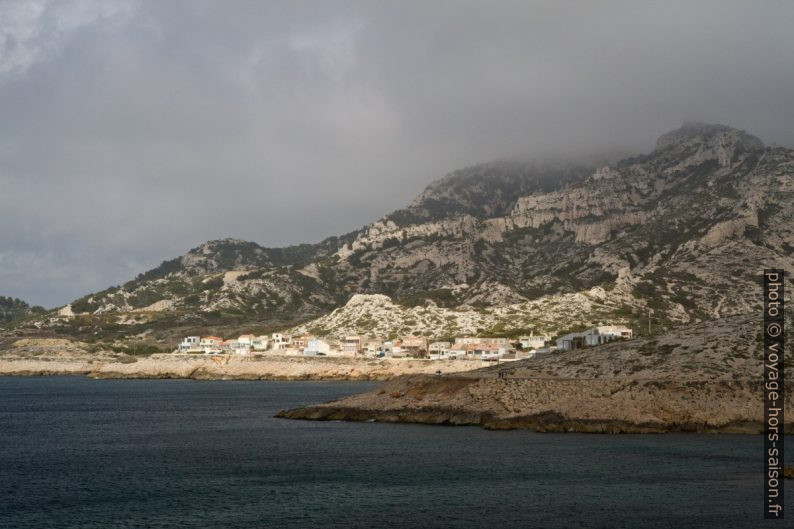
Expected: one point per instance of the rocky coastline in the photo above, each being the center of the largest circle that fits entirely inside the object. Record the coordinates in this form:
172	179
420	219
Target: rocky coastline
541	422
557	405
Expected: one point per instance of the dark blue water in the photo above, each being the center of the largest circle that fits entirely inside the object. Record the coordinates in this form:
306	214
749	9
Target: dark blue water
76	452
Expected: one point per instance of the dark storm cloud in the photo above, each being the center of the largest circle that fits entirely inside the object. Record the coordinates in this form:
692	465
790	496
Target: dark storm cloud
132	131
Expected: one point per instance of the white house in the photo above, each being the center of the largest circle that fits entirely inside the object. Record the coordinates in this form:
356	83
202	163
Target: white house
438	347
317	347
260	343
594	336
190	343
614	331
571	341
241	349
245	339
532	342
280	341
447	354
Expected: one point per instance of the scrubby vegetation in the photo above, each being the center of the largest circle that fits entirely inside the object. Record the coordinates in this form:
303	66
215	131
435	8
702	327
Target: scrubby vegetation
14	308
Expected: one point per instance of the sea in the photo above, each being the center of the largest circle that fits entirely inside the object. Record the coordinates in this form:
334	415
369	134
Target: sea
83	453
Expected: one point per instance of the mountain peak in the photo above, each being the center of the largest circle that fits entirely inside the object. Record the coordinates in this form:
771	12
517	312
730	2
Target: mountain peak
217	245
226	254
487	190
693	132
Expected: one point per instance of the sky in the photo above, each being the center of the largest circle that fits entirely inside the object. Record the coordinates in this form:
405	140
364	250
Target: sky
132	131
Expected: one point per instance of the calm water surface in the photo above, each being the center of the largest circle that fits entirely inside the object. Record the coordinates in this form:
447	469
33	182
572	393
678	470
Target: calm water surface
76	453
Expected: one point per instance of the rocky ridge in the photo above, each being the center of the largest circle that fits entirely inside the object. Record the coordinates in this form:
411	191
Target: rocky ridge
378	315
683	230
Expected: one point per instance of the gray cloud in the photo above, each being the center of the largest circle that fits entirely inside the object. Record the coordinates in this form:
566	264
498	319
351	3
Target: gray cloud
133	131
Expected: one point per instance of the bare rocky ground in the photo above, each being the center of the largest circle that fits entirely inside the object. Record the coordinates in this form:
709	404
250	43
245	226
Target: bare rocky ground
32	357
705	377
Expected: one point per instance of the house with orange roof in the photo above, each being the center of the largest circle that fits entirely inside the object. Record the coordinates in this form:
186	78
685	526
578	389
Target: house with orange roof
210	341
301	342
210	344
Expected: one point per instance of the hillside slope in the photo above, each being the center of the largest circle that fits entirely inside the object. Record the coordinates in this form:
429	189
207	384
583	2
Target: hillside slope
683	230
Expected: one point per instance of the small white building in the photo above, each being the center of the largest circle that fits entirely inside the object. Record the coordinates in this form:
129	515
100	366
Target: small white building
594	336
260	343
615	331
190	343
448	354
317	347
241	349
246	339
571	341
438	347
533	342
280	341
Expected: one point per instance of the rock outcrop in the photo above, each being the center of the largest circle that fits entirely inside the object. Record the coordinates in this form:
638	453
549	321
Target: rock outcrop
704	377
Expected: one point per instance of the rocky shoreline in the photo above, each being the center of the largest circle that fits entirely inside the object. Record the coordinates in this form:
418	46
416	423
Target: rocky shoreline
541	422
220	367
557	405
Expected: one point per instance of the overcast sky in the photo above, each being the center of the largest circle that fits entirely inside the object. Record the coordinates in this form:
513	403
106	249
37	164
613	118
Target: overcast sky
131	131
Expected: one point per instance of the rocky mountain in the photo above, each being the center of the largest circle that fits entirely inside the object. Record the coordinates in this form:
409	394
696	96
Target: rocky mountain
486	190
684	231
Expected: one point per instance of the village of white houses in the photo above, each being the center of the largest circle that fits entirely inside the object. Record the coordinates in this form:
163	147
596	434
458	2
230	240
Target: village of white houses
467	347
